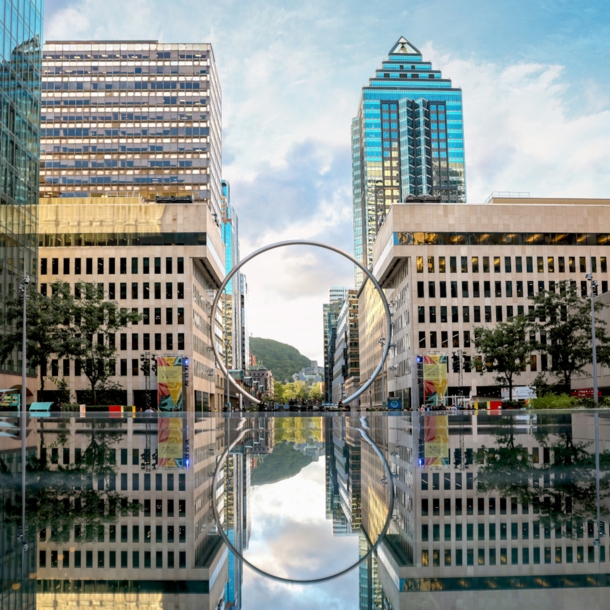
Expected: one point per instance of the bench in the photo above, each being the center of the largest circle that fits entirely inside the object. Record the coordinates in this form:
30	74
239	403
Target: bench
41	409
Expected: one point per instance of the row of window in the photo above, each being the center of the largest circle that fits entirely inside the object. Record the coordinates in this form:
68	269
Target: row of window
457	506
61	240
492	557
101	268
134	292
500	531
98	534
463	289
62	559
485	263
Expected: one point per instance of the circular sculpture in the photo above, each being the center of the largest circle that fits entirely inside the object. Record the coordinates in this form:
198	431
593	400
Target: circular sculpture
386	480
302	242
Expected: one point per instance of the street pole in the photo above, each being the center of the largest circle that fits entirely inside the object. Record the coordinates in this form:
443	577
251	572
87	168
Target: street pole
23	288
589	276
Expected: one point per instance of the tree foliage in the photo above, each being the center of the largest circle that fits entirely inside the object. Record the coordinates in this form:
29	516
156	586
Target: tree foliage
562	321
46	326
505	349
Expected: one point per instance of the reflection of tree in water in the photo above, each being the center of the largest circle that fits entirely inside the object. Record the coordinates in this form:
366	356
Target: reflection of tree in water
61	497
568	490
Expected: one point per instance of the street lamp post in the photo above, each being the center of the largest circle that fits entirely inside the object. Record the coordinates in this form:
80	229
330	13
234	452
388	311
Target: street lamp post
593	290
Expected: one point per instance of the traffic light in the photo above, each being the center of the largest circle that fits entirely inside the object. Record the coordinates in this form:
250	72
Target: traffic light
153	364
145	366
185	372
457	458
455	362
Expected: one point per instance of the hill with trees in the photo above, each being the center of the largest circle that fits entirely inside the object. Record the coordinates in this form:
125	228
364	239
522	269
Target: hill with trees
284	462
281	359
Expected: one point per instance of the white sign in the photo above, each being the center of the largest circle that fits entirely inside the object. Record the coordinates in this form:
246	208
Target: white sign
520	392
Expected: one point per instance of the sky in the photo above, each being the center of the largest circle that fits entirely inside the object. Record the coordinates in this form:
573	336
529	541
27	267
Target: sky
534	76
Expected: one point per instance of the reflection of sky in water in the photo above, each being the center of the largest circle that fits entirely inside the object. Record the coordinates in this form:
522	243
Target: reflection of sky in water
291	537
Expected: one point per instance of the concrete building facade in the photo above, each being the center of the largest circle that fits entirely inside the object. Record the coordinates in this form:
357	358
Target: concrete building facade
449	268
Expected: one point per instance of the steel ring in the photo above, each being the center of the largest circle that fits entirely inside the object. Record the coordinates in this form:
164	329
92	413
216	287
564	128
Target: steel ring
302	242
311	581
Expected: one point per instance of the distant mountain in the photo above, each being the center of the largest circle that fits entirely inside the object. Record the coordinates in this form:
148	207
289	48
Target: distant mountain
283	360
282	463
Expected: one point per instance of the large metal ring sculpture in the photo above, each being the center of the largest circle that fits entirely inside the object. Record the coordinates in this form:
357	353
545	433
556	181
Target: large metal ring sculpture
387	480
302	242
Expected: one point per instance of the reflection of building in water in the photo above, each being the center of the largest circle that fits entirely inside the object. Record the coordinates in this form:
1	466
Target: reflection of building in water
505	508
164	541
17	567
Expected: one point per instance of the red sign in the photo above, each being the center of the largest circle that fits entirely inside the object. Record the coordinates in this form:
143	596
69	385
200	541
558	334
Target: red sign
585	393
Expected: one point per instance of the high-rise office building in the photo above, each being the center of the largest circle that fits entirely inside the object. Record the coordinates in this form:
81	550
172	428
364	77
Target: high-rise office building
131	116
233	303
20	33
407	143
330	315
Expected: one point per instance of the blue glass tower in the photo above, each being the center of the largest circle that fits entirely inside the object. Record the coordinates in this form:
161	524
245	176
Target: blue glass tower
20	99
407	143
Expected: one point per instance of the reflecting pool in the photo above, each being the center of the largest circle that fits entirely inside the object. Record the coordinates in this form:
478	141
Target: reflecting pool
382	510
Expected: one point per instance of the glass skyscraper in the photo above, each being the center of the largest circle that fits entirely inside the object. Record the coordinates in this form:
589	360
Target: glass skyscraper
20	33
131	117
407	143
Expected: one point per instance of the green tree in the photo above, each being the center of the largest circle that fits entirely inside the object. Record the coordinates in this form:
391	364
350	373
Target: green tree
505	349
563	323
315	392
278	392
47	323
92	344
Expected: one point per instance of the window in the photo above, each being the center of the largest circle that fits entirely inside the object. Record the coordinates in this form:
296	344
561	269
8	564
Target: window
123	341
180	264
123	266
43	289
135	367
431	264
111	266
157	315
466	313
443	314
180	290
134	290
419	264
421	314
572	264
441	264
146	342
444	339
507	265
181	315
464	290
453	264
519	288
146	315
551	264
476	291
443	289
583	264
509	312
477	313
146	290
509	289
602	263
134	341
123	290
168	265
464	264
181	341
498	289
54	266
530	289
66	266
533	363
89	266
466	338
487	289
169	340
157	341
498	313
540	264
433	343
593	264
475	264
77	266
454	314
157	290
43	266
486	264
454	290
146	265
431	290
157	265
420	290
496	264
168	290
112	290
529	264
487	313
456	338
422	339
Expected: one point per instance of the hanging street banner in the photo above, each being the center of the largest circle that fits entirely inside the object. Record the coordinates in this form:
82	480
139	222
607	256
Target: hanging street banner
435	379
169	376
170	449
436	440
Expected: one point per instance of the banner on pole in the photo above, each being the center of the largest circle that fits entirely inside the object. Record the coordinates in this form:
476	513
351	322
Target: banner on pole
435	379
170	449
169	376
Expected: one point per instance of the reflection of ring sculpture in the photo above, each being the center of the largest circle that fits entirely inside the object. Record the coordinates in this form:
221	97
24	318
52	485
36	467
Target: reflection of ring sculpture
311	581
301	242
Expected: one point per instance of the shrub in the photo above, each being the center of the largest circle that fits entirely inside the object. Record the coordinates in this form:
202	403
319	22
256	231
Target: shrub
552	401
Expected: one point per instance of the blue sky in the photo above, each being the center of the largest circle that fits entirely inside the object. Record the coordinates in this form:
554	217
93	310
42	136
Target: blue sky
536	93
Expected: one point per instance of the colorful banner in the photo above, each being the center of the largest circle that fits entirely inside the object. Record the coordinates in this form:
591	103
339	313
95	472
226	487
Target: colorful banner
170	450
436	440
169	375
435	379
